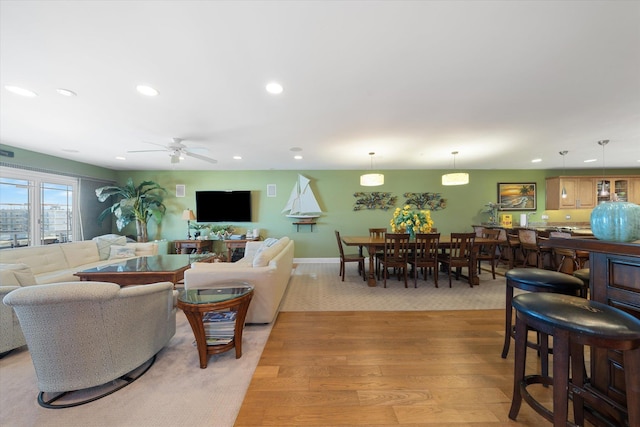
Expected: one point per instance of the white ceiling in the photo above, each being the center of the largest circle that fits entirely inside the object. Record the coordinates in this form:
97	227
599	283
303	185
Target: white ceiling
502	82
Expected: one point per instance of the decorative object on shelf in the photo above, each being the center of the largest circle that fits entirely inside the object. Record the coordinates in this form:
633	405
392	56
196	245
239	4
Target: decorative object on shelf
492	210
405	220
604	190
302	202
430	201
134	203
371	179
455	178
374	200
563	194
188	215
517	196
616	221
221	232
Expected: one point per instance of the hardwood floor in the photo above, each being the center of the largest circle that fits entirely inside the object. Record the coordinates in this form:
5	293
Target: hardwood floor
386	369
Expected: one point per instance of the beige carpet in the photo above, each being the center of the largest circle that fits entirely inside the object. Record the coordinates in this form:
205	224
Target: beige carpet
176	392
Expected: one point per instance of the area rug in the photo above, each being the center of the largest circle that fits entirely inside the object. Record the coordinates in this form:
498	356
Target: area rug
174	392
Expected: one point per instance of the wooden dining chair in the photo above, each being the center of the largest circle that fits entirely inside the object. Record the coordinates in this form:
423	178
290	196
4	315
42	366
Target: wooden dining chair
508	245
425	256
488	251
459	255
396	255
530	248
344	259
377	233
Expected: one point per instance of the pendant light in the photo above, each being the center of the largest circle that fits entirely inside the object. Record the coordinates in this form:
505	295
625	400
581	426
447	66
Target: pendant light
564	190
371	179
604	192
459	178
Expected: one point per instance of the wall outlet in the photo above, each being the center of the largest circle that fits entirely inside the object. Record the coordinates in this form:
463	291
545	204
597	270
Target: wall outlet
545	216
567	217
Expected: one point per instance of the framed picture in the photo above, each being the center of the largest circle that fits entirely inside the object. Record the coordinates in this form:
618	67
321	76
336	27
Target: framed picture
517	196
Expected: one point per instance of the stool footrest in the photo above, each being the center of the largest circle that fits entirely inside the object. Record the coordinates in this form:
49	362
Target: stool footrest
537	406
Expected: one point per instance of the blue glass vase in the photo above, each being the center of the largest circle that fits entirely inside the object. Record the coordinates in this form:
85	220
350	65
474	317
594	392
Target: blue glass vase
616	221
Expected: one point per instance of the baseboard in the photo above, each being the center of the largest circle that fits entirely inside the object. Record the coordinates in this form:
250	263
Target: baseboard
316	260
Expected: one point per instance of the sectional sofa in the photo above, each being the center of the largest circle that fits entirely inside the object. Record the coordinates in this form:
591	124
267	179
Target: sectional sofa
266	266
38	265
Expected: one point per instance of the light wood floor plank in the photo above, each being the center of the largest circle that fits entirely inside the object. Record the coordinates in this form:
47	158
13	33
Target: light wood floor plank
386	369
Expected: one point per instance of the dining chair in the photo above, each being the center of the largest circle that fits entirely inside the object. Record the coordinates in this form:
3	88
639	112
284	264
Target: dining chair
396	255
425	256
529	246
488	251
377	233
508	244
345	258
459	255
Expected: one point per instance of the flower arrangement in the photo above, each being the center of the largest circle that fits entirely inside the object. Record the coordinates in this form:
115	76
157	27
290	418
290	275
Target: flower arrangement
412	222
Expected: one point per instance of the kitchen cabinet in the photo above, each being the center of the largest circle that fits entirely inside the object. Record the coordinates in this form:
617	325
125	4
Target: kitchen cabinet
580	193
584	192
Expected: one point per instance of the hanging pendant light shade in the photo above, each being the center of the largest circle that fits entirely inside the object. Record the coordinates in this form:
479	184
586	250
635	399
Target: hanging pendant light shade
604	191
563	194
371	179
455	178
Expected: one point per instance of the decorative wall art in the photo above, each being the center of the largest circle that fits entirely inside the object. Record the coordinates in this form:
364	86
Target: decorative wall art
517	196
374	200
428	201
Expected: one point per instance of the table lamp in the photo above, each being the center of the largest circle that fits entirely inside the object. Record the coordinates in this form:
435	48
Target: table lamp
189	216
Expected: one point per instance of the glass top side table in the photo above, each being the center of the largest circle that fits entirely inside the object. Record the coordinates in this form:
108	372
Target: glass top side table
217	317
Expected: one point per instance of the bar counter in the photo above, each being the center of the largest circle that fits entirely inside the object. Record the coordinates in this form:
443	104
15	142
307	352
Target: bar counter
614	280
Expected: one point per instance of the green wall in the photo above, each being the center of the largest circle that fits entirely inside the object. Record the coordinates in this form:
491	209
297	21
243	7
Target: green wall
334	191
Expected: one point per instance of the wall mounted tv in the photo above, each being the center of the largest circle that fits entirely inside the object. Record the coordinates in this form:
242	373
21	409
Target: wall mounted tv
223	206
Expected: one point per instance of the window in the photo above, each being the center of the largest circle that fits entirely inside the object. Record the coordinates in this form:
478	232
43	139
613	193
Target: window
36	208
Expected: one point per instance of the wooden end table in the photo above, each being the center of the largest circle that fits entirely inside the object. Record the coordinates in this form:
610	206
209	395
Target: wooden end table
196	302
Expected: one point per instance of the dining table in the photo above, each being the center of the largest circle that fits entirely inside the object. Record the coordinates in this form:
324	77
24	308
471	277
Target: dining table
375	243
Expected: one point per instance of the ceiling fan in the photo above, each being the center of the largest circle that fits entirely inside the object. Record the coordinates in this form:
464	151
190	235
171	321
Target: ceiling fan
176	149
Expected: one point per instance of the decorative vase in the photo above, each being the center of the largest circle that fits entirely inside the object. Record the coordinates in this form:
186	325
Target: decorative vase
616	221
412	233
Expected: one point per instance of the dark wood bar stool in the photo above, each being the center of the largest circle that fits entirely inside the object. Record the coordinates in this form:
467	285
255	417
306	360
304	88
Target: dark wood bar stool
573	323
584	274
536	280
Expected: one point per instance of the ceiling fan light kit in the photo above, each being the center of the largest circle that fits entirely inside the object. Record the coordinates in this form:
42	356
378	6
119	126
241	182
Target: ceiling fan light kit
176	151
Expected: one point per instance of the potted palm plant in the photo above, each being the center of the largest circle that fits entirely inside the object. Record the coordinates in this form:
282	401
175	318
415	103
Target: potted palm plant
139	203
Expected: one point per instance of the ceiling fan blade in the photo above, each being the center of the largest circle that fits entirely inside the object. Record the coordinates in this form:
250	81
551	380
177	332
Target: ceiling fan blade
198	156
145	151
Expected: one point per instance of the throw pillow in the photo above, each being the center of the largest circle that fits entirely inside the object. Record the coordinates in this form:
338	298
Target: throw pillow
270	241
105	242
119	252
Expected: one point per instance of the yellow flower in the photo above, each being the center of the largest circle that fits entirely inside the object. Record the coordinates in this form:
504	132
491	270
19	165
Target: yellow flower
406	220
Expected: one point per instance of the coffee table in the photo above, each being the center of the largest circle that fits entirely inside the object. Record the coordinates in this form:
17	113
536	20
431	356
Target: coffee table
233	297
143	270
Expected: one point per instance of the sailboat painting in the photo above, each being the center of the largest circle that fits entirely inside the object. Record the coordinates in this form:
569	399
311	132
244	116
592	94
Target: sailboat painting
302	203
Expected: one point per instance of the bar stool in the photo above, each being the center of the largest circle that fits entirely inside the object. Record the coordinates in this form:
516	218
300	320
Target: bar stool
536	280
583	274
574	323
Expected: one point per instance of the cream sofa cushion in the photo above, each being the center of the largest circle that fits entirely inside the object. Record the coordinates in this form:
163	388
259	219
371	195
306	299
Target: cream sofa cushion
105	242
41	259
80	253
264	254
143	249
16	275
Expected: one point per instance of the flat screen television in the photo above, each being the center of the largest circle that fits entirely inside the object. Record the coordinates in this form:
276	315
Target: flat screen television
223	206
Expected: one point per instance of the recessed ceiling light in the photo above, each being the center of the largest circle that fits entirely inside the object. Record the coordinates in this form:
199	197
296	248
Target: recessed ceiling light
298	157
121	158
21	91
66	92
536	160
147	90
590	160
237	157
274	88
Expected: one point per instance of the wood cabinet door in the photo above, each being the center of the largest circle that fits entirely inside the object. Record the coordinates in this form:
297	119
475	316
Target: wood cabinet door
586	193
